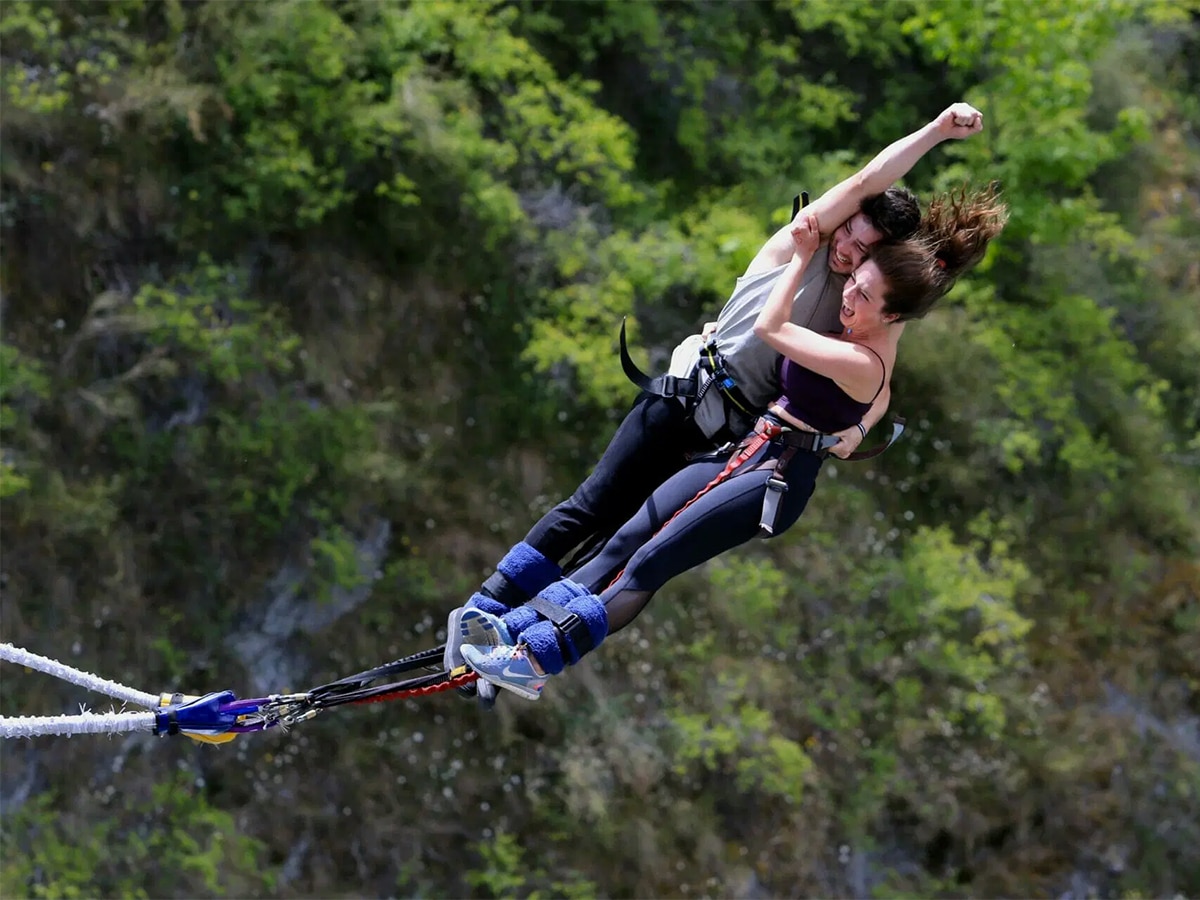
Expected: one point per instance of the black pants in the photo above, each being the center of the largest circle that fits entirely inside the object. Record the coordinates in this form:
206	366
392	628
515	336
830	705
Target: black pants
652	443
655	545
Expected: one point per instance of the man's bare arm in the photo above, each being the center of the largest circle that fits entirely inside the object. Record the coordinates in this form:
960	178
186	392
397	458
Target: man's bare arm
843	200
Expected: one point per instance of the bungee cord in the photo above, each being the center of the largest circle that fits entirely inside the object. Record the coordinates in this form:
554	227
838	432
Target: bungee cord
22	657
219	717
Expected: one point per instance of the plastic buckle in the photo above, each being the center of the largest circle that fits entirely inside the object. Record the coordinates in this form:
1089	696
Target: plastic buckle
823	443
576	629
202	714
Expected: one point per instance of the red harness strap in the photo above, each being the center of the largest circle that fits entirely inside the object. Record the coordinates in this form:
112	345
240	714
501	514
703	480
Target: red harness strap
764	432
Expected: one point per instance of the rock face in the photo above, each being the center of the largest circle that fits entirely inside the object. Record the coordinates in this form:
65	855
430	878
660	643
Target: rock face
266	646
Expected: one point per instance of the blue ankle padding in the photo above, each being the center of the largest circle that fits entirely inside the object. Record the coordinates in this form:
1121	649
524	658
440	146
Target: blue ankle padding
528	569
542	637
542	640
487	604
563	591
560	592
519	619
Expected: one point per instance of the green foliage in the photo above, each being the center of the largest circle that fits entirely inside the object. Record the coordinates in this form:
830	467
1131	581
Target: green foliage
506	873
276	270
740	740
206	317
167	843
21	381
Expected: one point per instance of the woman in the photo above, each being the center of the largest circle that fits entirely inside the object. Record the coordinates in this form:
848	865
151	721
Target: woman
829	381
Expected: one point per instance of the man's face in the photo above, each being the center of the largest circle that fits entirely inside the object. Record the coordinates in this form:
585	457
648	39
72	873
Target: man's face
851	244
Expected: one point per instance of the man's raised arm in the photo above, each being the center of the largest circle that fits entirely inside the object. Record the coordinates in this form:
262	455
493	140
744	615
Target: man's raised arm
843	200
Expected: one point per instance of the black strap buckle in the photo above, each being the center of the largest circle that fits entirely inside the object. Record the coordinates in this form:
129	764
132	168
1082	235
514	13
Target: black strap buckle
660	385
674	386
569	623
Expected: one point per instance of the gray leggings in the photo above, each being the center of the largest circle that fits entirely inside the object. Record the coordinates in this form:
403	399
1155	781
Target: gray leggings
726	516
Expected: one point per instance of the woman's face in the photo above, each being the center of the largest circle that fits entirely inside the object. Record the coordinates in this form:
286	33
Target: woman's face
863	299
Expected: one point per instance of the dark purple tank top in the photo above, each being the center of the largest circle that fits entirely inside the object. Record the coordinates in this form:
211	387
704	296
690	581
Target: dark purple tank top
818	401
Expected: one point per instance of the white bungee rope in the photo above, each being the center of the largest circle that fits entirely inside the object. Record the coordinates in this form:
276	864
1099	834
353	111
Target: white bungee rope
85	722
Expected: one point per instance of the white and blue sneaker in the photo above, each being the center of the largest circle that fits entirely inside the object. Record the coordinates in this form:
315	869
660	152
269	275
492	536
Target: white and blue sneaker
468	625
506	667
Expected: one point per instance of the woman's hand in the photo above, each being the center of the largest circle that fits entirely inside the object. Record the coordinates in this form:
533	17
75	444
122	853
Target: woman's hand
958	121
848	442
806	237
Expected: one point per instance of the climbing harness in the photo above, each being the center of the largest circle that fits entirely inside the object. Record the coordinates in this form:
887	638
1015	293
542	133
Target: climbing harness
694	388
708	372
219	716
767	429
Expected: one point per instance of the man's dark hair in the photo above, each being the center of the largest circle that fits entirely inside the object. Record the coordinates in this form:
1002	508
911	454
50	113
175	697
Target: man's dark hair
895	213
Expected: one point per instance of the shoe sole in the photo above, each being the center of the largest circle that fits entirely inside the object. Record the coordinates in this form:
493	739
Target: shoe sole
453	657
487	636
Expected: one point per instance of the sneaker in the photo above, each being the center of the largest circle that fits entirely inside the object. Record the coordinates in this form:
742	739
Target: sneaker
468	625
506	667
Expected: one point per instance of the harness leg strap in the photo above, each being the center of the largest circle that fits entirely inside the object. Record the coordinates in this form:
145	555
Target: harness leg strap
776	488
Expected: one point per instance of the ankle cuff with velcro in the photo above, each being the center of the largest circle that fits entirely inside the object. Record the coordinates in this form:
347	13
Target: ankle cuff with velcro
521	574
560	625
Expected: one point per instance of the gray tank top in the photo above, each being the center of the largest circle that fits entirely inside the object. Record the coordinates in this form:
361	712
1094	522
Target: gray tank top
753	364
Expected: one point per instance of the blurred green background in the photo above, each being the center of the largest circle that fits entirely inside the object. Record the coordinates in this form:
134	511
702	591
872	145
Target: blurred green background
310	310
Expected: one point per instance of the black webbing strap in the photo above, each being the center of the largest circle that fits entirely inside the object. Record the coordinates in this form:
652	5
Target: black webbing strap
897	430
800	201
660	385
567	622
427	659
502	588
